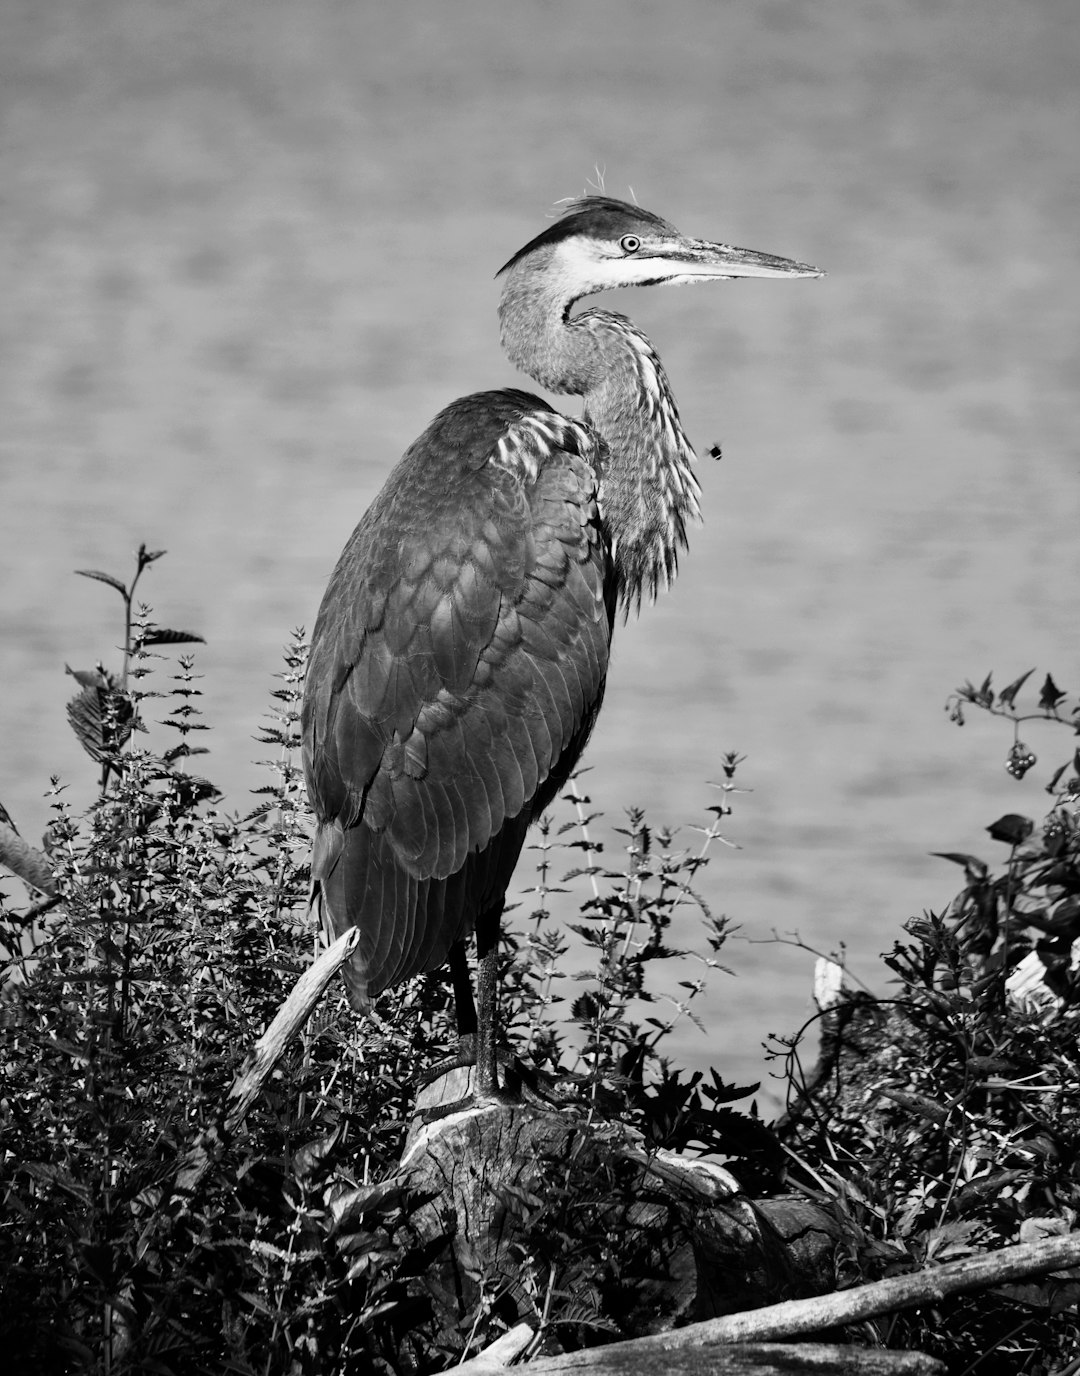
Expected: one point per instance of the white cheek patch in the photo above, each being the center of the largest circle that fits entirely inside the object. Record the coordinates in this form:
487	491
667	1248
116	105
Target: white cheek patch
580	262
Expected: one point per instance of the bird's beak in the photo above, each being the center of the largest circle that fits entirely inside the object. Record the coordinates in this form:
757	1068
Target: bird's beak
701	259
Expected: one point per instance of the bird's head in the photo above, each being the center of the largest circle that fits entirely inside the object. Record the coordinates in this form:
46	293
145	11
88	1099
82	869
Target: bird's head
599	243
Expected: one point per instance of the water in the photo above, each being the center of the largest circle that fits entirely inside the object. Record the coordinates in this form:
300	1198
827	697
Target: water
248	253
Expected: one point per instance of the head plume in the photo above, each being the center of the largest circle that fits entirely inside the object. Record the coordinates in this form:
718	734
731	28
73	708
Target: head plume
597	217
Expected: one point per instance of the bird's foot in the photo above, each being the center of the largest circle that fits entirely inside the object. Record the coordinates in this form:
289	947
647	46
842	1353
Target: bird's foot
455	1084
462	1059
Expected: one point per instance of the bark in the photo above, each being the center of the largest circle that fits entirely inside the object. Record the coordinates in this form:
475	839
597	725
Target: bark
760	1359
752	1359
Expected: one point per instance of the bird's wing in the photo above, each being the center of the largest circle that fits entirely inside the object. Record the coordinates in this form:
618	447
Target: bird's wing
457	663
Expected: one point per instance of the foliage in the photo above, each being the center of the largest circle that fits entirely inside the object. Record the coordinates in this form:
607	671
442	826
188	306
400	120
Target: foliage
952	1124
128	1002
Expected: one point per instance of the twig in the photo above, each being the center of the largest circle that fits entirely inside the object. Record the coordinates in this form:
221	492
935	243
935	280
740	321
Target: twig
591	860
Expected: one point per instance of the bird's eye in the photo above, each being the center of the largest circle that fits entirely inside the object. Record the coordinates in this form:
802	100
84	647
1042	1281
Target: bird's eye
629	243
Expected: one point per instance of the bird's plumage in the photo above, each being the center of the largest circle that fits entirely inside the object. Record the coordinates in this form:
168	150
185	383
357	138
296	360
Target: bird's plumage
457	665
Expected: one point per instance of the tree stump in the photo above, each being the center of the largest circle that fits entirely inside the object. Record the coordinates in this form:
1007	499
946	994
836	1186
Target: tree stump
523	1192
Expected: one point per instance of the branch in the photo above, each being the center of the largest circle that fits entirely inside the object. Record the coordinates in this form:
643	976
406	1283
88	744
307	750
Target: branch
266	1053
794	1317
497	1356
32	866
645	1357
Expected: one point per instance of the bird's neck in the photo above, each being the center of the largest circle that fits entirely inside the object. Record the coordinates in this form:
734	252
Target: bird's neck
647	489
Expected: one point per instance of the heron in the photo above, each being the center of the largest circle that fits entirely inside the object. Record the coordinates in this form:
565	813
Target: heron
459	656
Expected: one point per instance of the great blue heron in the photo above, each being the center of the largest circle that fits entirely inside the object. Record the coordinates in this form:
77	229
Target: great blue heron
459	656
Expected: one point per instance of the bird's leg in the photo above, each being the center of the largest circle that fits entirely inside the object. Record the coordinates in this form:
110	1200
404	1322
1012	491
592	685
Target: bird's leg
465	1016
478	1023
464	1007
487	1019
489	1086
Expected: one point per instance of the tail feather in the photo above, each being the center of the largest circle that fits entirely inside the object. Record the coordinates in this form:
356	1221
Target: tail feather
407	924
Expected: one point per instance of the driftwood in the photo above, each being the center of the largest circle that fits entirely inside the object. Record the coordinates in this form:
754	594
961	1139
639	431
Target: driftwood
745	1359
268	1050
898	1292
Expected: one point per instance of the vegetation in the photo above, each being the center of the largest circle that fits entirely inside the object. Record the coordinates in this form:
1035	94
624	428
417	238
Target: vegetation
951	1124
130	995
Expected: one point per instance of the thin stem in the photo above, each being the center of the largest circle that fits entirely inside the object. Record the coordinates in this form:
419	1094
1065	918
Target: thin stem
583	825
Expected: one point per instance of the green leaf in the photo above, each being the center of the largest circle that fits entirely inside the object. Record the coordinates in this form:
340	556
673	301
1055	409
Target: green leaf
1007	695
983	695
102	720
159	635
351	1206
969	862
720	1092
1011	828
104	578
257	1303
89	678
307	1158
1051	695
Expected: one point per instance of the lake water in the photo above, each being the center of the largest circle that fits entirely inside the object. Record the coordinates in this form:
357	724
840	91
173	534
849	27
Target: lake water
248	252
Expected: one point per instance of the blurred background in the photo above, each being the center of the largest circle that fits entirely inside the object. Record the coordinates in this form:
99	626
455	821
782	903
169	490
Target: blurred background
248	252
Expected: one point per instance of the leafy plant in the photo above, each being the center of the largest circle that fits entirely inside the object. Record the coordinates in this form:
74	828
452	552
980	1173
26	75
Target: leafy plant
171	930
129	998
126	1012
952	1123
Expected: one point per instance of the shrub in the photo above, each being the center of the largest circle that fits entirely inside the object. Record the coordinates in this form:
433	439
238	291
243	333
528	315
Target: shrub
139	1235
131	996
952	1122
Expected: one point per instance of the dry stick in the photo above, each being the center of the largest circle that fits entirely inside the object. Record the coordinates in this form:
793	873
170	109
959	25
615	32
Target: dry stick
498	1355
268	1050
793	1317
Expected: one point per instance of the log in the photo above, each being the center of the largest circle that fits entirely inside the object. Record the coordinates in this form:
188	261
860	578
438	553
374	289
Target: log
828	1311
760	1359
886	1296
712	1346
744	1359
